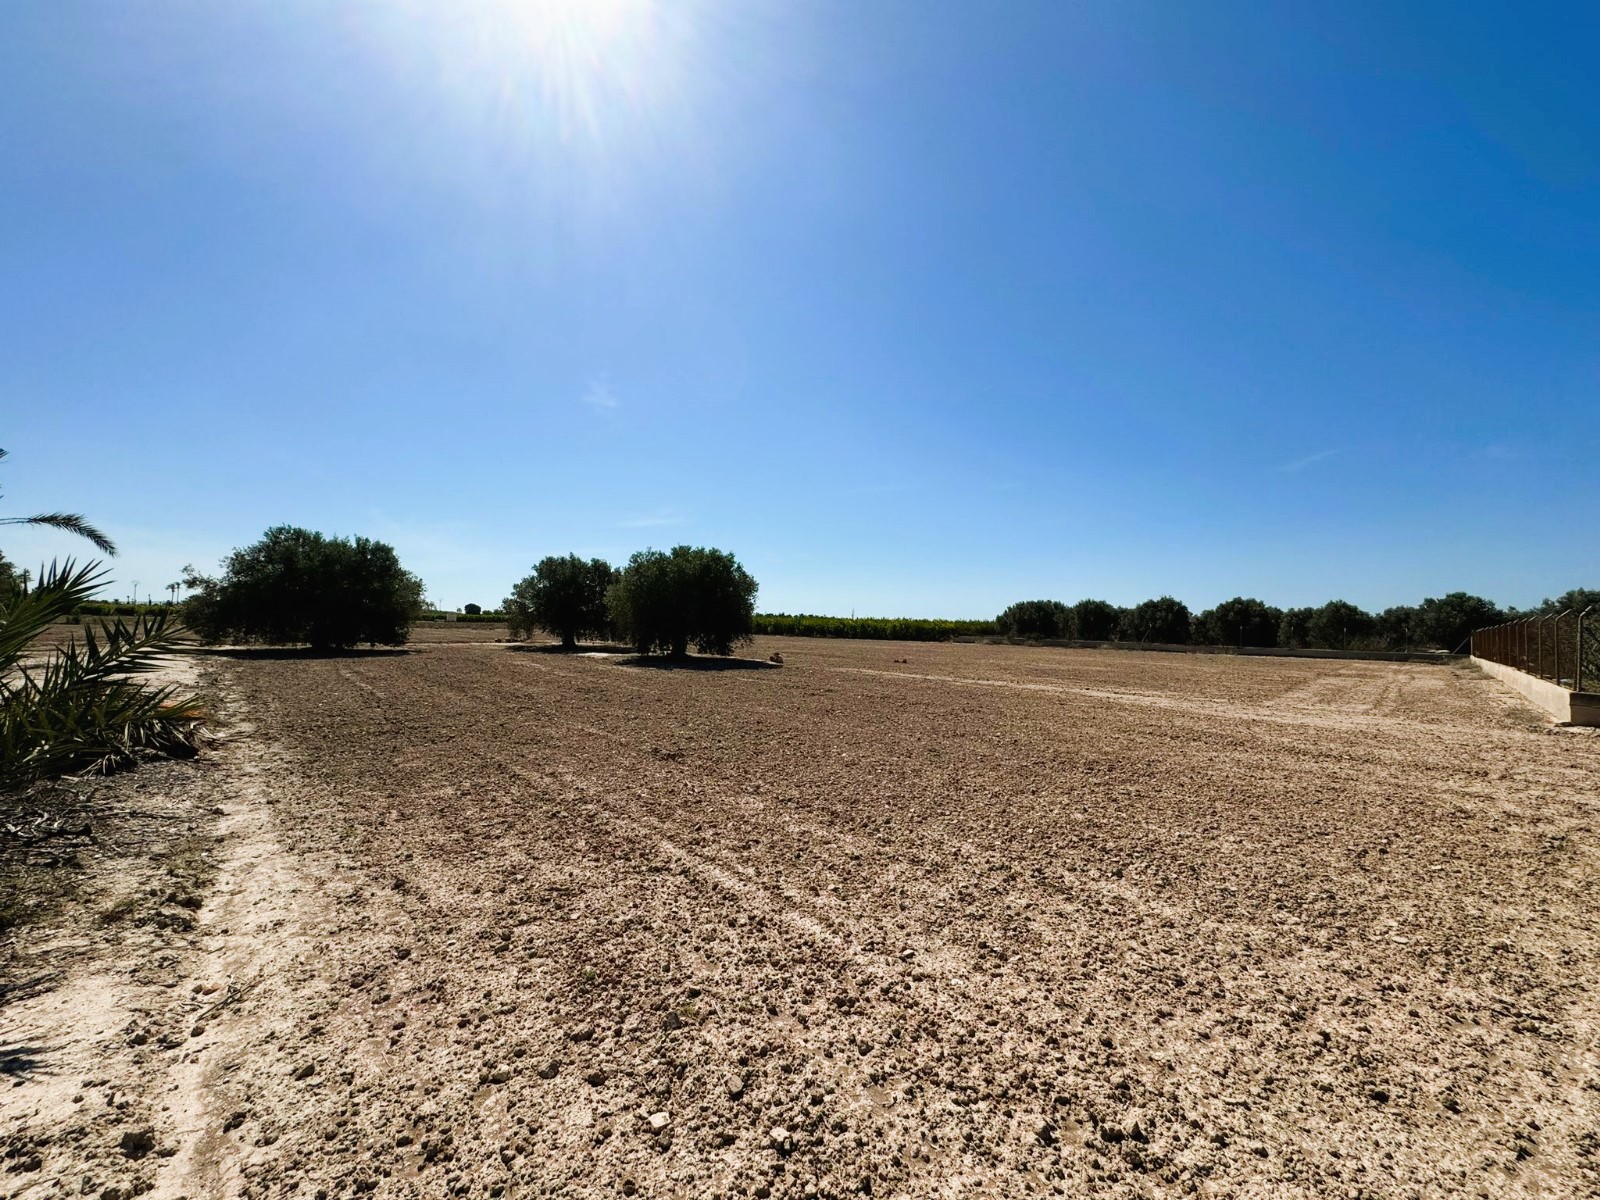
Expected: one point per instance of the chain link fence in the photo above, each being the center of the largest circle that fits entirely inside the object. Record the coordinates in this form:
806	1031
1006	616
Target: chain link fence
1562	647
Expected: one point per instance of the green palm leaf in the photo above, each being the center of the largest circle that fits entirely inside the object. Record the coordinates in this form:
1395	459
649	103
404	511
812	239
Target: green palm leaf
82	707
70	523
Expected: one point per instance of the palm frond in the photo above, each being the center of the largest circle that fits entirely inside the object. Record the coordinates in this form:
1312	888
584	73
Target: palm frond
70	523
62	588
82	707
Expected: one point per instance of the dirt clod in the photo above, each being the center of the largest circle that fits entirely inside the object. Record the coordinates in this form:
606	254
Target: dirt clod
136	1143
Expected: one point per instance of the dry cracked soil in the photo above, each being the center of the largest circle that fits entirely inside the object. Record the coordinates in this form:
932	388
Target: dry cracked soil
474	919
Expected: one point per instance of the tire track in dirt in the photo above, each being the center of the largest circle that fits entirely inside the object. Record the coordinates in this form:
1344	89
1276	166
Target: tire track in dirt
1205	927
264	913
158	1027
1191	706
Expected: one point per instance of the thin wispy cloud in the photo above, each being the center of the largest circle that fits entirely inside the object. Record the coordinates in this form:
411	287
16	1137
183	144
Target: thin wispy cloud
1300	464
599	396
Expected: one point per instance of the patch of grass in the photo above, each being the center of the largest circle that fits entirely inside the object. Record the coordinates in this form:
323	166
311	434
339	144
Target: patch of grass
121	910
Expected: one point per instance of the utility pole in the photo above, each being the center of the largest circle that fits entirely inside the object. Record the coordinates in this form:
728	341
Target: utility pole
136	593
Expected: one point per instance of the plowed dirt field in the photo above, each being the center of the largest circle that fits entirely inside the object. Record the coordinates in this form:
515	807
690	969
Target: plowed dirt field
889	920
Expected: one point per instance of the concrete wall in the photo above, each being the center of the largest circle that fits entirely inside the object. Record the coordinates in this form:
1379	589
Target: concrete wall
1568	707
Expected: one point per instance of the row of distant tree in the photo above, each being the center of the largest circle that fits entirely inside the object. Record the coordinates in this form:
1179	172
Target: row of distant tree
663	601
299	586
1438	623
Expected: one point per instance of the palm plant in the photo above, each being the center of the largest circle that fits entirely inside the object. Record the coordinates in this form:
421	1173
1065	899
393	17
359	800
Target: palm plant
69	522
83	707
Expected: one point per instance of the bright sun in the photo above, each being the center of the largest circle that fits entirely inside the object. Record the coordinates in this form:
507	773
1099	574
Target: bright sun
597	63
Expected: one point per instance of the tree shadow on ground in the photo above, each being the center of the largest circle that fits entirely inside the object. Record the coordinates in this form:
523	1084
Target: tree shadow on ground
290	652
698	662
580	648
19	1062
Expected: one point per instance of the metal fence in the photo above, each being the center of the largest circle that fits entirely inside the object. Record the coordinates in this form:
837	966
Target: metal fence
1562	647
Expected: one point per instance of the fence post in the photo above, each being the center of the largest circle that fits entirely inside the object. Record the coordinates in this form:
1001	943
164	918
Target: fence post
1577	680
1558	646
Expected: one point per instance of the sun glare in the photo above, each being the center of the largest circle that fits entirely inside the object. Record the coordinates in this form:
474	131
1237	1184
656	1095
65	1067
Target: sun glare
594	67
592	58
589	100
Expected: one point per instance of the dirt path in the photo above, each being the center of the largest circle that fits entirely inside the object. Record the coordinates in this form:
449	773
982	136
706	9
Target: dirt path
137	1042
892	920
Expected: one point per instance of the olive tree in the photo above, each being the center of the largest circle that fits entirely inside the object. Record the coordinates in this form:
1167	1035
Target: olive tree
1339	625
1162	620
1095	620
298	586
1036	619
565	596
1575	600
1241	621
1394	627
666	601
1447	622
1294	628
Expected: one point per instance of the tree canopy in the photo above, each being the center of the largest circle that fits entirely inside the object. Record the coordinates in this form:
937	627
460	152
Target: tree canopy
1575	600
1095	620
1442	623
10	579
1394	627
1241	621
1294	628
1036	619
565	596
1339	625
1447	622
691	595
297	586
1164	619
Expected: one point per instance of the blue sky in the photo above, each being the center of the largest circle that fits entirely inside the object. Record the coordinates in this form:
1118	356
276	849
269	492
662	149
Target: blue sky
919	308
